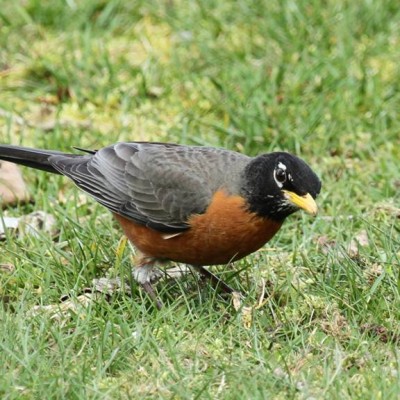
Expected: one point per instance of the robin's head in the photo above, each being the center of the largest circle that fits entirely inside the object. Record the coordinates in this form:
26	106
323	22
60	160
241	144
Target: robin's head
278	184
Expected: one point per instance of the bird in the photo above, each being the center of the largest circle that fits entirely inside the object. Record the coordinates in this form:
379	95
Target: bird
197	205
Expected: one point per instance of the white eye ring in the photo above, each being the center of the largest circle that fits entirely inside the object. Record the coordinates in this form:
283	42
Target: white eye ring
280	176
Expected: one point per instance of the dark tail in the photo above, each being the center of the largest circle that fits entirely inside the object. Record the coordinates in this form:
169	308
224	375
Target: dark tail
33	158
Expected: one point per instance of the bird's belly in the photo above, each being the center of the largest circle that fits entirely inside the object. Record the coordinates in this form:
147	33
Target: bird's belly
225	232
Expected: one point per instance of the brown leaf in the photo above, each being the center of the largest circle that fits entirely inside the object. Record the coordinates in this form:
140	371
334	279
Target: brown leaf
381	332
12	186
61	311
359	240
30	224
7	268
110	286
36	222
325	243
389	208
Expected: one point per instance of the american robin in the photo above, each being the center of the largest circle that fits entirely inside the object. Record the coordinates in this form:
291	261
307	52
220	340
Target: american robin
196	205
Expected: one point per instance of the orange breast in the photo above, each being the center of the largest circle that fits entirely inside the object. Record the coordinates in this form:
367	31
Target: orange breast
225	232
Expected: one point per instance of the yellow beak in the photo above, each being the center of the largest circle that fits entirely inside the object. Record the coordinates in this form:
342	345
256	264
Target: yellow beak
306	203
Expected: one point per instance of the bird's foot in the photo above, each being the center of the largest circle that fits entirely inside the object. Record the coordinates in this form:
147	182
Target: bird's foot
146	273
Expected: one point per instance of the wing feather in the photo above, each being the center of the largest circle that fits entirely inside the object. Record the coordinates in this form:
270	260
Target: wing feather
155	184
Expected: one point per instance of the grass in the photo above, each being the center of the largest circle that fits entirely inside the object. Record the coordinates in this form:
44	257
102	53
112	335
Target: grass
319	79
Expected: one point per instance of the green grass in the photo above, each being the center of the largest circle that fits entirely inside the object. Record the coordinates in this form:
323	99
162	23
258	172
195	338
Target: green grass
317	78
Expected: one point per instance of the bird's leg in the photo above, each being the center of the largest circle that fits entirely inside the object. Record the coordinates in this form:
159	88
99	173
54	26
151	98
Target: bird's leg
148	288
145	273
217	282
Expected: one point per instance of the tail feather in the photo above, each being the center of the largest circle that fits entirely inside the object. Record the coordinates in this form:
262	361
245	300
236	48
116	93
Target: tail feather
33	158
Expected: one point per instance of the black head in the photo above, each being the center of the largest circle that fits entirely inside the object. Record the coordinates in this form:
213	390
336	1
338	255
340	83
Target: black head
278	184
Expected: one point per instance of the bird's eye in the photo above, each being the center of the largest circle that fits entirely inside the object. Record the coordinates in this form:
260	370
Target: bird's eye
280	176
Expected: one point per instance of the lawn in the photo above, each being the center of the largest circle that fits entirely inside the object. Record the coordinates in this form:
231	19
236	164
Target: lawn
321	314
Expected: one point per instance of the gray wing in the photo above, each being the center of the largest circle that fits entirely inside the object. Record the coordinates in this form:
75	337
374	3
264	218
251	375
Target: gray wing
155	184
